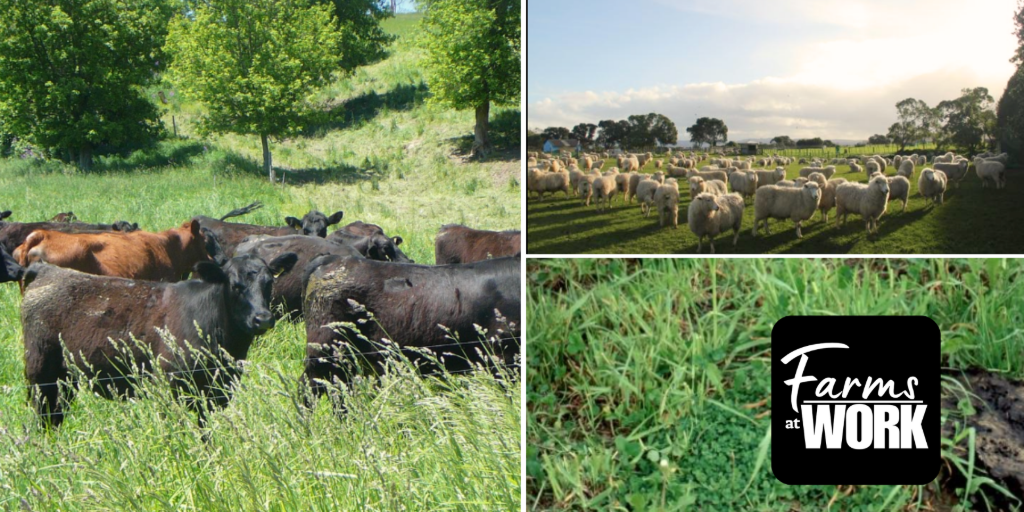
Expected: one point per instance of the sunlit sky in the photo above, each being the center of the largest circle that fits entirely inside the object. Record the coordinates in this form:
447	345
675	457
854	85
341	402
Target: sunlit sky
802	68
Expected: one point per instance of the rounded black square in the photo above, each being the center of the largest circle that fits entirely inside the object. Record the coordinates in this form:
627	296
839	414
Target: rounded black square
900	445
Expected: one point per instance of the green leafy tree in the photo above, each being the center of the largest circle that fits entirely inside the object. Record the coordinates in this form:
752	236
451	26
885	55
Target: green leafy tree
71	72
708	130
253	64
363	41
1010	116
878	139
1018	24
966	120
556	132
783	141
584	132
613	132
474	57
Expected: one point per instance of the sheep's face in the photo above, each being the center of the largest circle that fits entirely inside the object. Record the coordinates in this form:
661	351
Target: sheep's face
812	190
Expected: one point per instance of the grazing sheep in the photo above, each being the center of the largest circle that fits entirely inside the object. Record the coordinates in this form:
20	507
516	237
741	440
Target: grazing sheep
677	171
869	200
634	179
899	188
666	199
806	171
855	168
774	202
709	175
932	185
611	172
699	186
990	170
543	182
1002	158
828	192
744	165
709	215
658	164
574	179
770	177
645	195
659	177
630	164
744	182
906	169
604	190
585	188
955	172
556	166
922	160
531	162
622	182
597	165
872	166
588	163
944	159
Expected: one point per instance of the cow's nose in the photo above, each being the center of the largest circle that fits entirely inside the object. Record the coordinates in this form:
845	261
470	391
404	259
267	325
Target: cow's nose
263	321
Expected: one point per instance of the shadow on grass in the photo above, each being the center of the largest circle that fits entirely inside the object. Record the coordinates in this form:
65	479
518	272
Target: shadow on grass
167	154
345	174
505	129
365	107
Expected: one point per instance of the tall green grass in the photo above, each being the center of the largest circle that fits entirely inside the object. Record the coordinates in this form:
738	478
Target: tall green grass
649	380
405	443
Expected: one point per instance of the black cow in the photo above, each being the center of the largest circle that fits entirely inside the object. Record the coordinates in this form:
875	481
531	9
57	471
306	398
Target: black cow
231	234
289	287
10	271
13	234
409	304
228	304
376	246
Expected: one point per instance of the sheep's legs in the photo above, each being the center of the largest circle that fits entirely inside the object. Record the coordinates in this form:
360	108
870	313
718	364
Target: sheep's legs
798	233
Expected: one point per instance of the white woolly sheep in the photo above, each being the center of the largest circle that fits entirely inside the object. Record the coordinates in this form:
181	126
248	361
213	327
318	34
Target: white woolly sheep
855	168
709	175
574	179
797	204
770	177
658	164
588	163
659	177
585	188
634	180
666	200
744	182
899	189
622	182
955	172
906	169
709	215
872	167
677	171
630	164
699	186
645	195
543	182
868	200
604	190
932	185
597	165
990	170
828	192
1002	158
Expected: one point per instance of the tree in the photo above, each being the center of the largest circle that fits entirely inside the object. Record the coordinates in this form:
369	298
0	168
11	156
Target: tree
252	64
473	57
72	72
556	132
613	132
1010	116
363	41
966	120
901	135
878	139
584	132
782	141
708	131
1018	24
810	143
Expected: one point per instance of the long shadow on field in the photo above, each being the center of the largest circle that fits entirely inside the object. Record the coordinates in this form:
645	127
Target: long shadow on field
346	174
149	158
983	220
365	107
605	239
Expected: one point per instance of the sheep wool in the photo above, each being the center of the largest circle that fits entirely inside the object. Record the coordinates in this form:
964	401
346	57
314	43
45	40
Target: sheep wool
666	200
899	189
990	171
774	202
868	200
709	215
645	195
932	185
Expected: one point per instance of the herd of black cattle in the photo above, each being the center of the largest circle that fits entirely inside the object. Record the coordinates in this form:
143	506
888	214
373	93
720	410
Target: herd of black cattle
107	302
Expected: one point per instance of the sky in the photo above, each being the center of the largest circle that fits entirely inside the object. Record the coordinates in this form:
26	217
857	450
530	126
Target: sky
803	68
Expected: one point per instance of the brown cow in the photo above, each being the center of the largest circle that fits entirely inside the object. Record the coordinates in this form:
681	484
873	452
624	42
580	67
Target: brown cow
458	244
164	256
13	234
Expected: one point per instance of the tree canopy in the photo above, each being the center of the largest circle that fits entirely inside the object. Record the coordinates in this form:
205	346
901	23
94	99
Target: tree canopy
474	57
783	141
968	119
708	130
253	64
878	139
363	41
71	72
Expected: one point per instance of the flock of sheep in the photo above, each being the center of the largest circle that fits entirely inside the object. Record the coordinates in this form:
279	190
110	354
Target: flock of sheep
714	209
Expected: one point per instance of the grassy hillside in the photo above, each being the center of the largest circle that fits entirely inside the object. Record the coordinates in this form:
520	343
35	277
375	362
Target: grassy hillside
963	225
649	384
383	155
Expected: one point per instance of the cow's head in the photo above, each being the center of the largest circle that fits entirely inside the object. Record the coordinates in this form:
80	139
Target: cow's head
386	249
125	226
314	223
248	282
10	270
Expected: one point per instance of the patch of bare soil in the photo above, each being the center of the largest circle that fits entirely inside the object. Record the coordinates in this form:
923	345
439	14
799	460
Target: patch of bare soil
999	424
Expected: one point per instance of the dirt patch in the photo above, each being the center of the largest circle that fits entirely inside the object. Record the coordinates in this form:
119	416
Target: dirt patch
999	424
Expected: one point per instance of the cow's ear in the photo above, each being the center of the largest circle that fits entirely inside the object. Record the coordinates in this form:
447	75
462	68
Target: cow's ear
4	214
373	252
213	247
336	218
210	272
194	227
293	223
397	240
283	263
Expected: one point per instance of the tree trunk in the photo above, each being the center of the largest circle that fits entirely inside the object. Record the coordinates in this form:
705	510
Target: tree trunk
85	158
481	142
268	166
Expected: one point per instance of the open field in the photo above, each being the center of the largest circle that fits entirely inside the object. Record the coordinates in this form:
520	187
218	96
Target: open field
971	221
407	443
649	380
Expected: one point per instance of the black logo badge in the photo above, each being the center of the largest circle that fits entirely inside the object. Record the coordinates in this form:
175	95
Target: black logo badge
855	400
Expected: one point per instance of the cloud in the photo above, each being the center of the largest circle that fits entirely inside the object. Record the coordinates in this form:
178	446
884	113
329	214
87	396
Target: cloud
845	85
763	108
